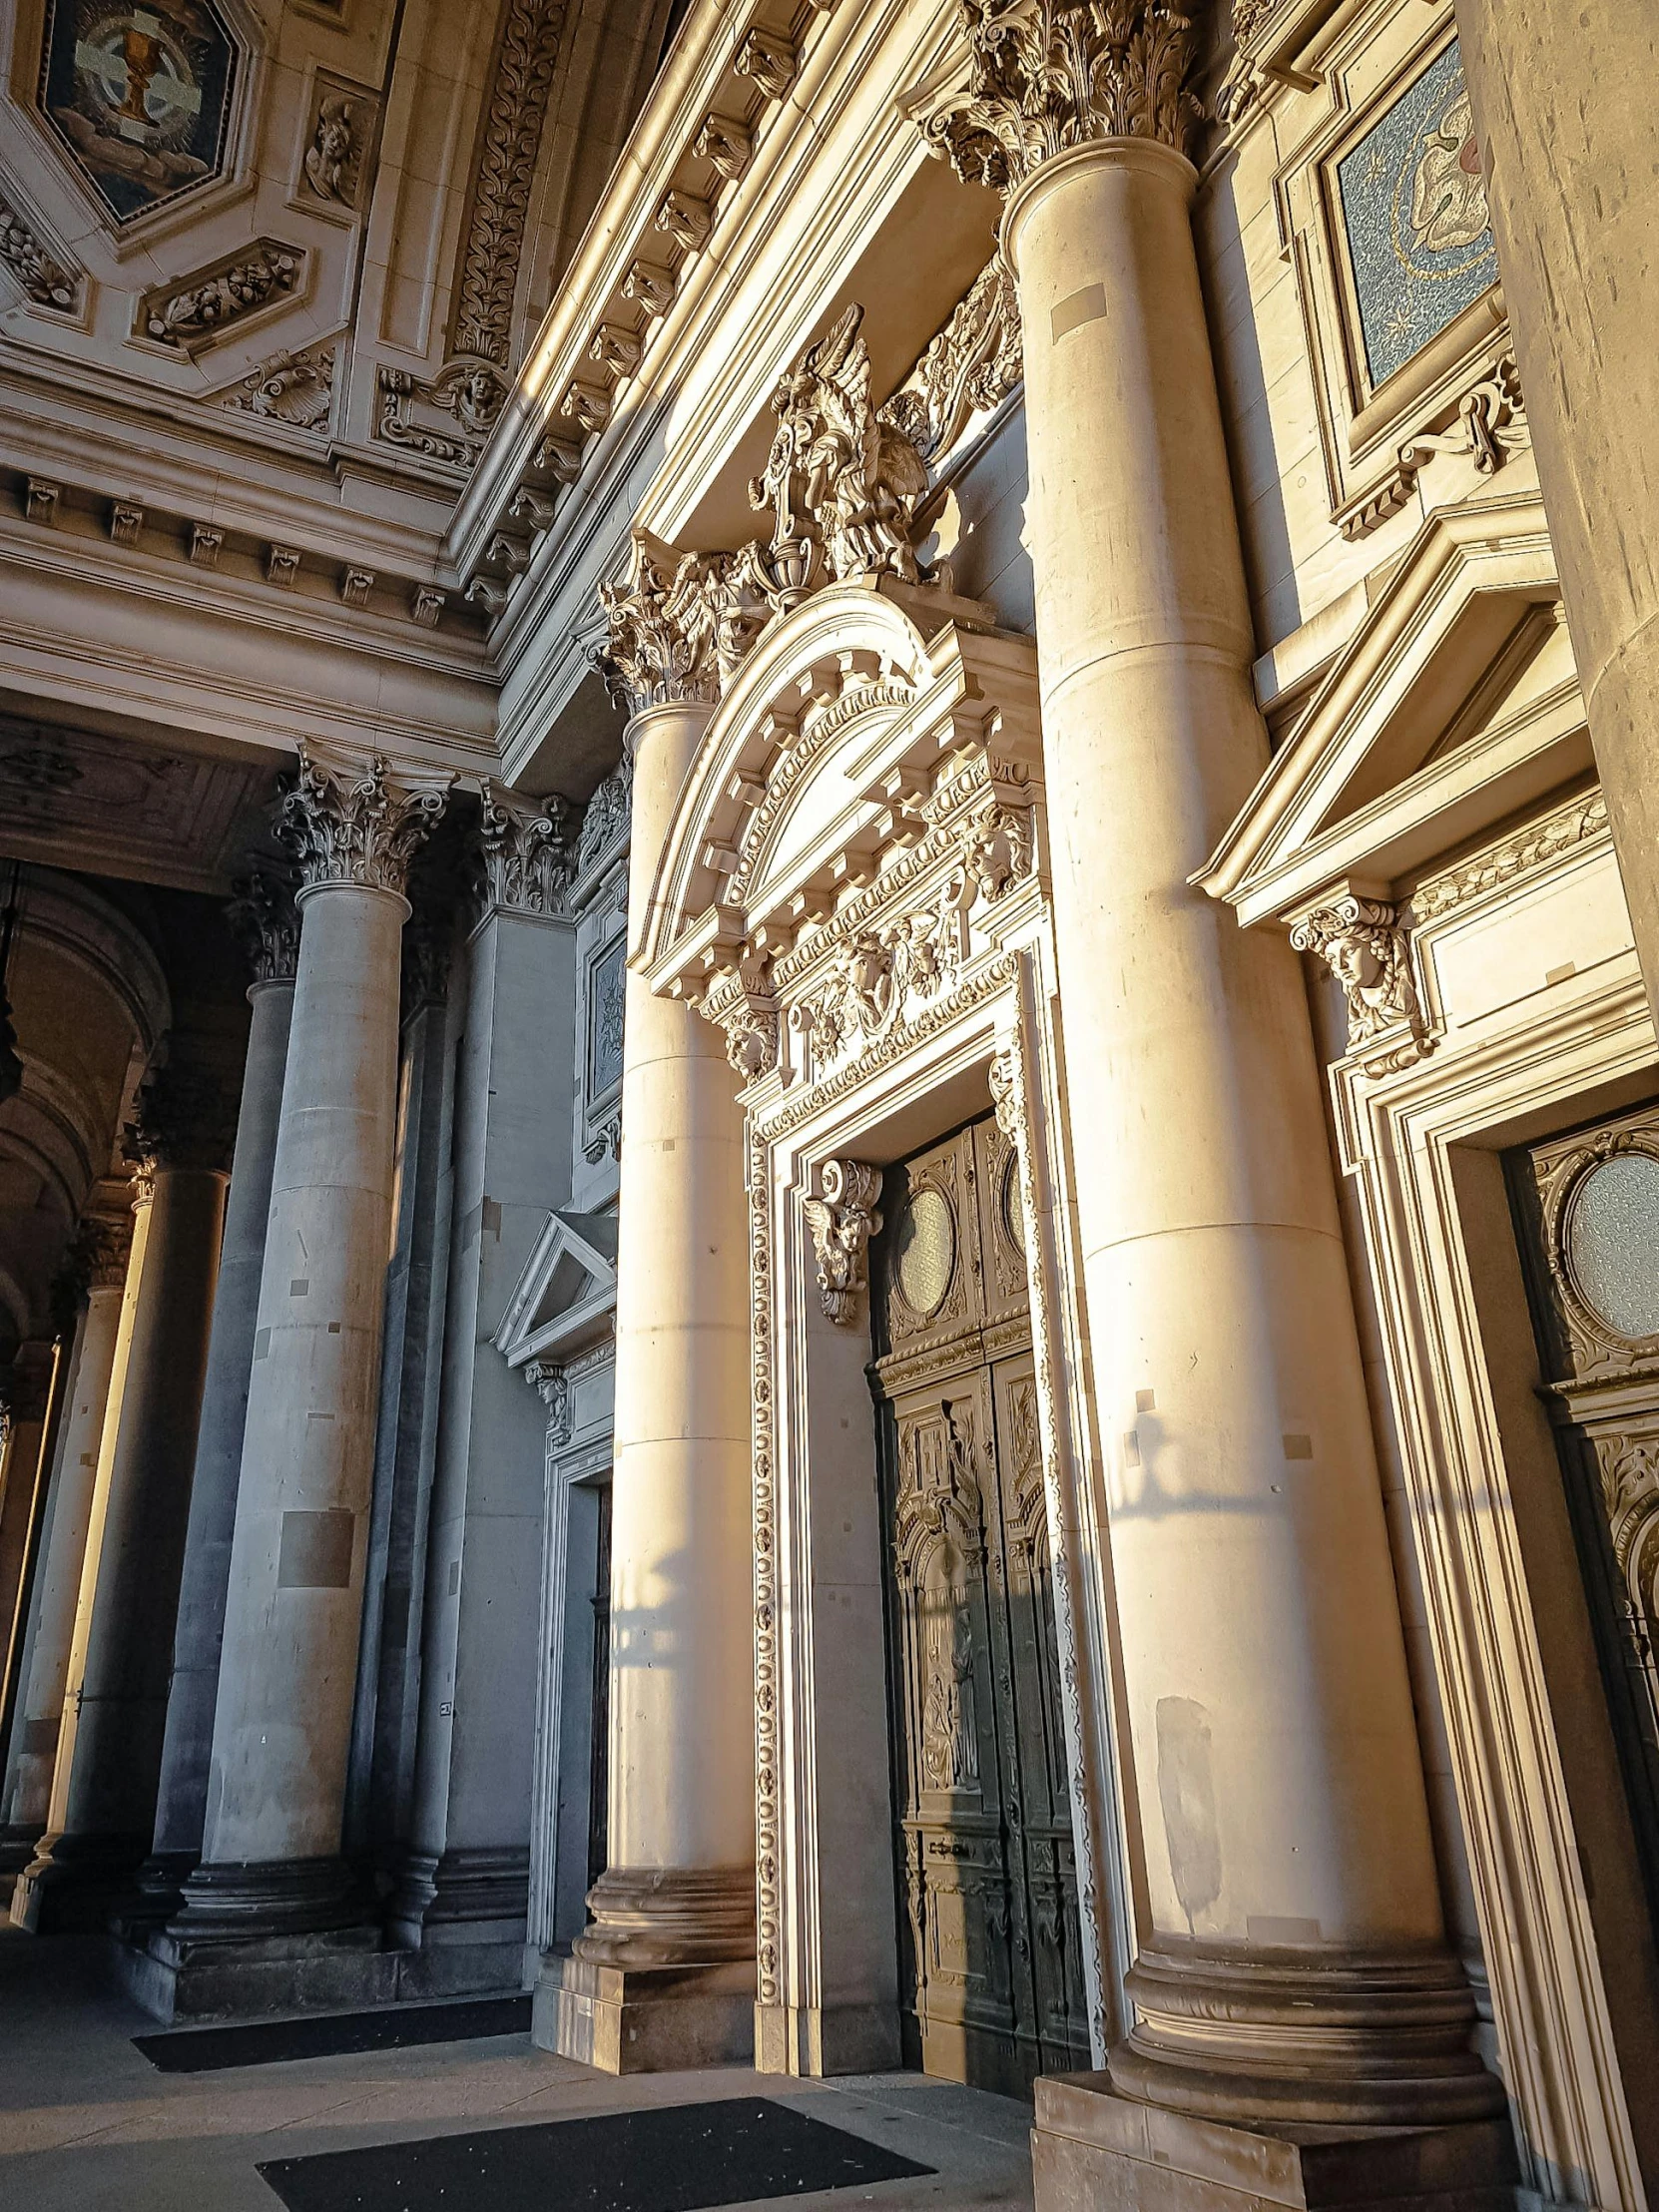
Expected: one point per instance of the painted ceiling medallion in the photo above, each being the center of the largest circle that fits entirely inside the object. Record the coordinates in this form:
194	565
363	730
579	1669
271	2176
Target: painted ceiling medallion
139	96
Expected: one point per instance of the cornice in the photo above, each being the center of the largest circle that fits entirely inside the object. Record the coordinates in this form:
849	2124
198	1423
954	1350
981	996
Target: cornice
851	81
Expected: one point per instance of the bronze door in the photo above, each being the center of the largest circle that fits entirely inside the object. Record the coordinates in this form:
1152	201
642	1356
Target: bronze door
1587	1209
991	1980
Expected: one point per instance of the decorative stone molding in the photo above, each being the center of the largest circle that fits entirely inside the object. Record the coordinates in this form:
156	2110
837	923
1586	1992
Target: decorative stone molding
513	126
763	1510
41	501
606	815
1366	948
526	851
261	913
293	388
46	281
427	605
355	584
840	481
663	619
605	1141
742	1004
841	1220
770	58
357	821
446	420
551	1384
1049	75
183	1117
338	142
1539	841
972	364
1490	424
206	544
125	521
195	314
282	566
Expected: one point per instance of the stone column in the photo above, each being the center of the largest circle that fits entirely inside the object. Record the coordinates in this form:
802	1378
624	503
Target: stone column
26	1797
1290	1962
462	1895
263	915
25	1394
271	1863
1569	126
108	1764
381	1782
665	1975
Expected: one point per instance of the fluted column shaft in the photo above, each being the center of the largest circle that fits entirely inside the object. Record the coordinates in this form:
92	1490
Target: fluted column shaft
1282	1828
39	1712
1564	109
109	1751
187	1747
682	1755
294	1605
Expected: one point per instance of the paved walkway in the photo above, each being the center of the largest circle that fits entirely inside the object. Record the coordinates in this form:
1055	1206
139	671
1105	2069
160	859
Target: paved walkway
86	2122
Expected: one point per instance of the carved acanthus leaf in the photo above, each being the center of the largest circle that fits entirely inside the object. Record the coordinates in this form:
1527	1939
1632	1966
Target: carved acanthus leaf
526	851
841	1220
357	821
261	914
507	171
1048	75
662	620
606	815
974	363
184	1117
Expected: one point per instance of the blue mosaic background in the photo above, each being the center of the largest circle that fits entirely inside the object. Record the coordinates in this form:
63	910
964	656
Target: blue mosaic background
1414	208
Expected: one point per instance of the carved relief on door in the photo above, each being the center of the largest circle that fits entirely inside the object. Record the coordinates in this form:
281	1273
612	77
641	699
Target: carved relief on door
993	1965
1588	1211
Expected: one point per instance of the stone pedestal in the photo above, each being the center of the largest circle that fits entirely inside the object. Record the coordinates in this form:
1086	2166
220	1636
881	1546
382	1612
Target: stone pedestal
266	907
1570	135
271	1865
1290	1948
463	1890
108	1764
1094	2150
32	1750
679	1889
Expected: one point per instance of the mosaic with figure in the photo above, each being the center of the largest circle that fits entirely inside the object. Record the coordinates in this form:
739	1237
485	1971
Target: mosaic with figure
605	985
140	95
1415	210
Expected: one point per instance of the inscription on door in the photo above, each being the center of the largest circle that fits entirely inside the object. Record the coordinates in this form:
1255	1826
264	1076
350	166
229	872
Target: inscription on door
991	1977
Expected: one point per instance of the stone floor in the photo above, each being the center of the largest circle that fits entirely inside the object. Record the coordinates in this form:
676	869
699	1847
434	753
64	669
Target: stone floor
86	2122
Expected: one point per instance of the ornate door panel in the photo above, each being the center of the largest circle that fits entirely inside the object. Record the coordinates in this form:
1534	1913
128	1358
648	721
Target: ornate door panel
992	1970
1588	1211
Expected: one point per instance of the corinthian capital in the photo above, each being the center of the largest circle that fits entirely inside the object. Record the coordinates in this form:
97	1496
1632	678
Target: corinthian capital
1047	75
526	851
183	1117
664	621
355	821
261	914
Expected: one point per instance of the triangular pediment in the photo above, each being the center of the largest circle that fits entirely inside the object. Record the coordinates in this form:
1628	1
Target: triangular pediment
1455	704
565	1292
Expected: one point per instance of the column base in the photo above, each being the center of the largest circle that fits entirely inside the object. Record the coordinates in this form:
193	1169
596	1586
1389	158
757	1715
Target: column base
74	1883
670	1917
19	1843
465	1913
331	1970
160	1886
818	2039
254	1899
1093	2151
645	2020
1304	2038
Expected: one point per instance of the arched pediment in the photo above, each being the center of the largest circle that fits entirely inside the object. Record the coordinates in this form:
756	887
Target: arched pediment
823	759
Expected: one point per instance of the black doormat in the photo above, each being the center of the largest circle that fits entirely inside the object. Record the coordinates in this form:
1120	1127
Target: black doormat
677	2158
331	2035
